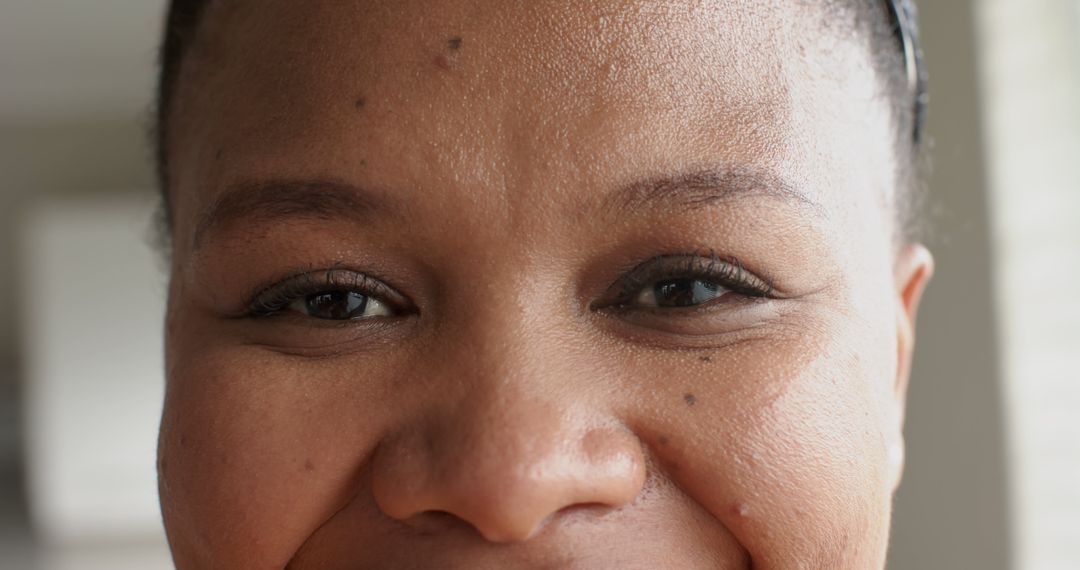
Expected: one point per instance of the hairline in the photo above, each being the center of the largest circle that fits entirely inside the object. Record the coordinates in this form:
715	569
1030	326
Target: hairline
184	21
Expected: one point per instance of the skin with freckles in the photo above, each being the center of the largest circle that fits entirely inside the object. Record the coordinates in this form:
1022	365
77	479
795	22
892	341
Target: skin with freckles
509	284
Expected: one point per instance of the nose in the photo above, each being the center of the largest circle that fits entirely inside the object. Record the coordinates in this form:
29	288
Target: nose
507	464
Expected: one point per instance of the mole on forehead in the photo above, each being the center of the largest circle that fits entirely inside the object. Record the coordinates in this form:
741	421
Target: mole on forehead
323	83
285	78
659	46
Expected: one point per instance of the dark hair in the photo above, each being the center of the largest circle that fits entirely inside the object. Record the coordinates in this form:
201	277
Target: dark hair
904	27
891	24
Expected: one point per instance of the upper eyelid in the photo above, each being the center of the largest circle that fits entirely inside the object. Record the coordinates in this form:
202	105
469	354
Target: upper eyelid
311	281
279	282
689	264
289	280
620	294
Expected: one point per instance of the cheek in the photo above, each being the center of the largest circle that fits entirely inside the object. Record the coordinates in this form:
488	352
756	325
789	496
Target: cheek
256	451
784	444
780	439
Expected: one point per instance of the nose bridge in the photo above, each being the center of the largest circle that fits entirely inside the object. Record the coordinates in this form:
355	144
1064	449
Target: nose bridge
507	325
516	420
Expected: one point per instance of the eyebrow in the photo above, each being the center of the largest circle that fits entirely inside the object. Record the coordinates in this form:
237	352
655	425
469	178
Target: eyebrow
701	188
278	200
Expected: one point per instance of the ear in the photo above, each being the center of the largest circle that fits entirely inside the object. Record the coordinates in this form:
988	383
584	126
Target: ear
914	266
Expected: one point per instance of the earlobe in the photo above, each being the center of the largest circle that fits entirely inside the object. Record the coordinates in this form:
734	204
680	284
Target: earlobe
896	461
913	269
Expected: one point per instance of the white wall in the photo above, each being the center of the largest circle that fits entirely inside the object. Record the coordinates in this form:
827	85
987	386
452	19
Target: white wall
951	511
1031	78
75	87
92	321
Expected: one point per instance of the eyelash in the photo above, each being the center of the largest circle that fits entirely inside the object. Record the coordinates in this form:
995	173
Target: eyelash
727	272
275	299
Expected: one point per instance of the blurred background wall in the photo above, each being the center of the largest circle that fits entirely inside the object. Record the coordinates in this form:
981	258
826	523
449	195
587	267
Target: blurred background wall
1031	84
75	80
75	85
951	510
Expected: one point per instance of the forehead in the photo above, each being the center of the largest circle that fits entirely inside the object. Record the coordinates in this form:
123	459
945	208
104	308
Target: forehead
500	96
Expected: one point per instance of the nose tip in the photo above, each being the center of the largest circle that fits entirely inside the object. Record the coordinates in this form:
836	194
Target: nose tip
507	490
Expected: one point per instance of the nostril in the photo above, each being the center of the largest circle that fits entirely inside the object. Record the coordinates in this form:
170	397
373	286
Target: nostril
440	523
436	522
581	510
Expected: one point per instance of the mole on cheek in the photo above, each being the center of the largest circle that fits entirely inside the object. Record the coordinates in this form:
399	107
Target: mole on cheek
360	102
706	359
690	399
309	466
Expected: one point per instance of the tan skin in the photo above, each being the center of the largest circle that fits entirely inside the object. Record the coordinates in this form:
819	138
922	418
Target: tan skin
619	282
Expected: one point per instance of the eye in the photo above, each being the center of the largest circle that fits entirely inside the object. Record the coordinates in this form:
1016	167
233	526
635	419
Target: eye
684	282
340	306
328	295
679	293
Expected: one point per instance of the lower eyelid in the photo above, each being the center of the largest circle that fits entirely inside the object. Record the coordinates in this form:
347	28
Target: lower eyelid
321	339
728	300
288	318
695	327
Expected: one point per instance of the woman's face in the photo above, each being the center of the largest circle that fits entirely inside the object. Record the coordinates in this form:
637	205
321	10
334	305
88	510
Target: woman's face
533	285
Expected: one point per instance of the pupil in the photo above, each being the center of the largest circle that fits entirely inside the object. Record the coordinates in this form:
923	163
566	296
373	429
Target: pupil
336	305
684	292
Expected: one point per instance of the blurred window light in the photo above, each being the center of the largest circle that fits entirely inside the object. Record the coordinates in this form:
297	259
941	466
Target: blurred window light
92	310
1031	84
